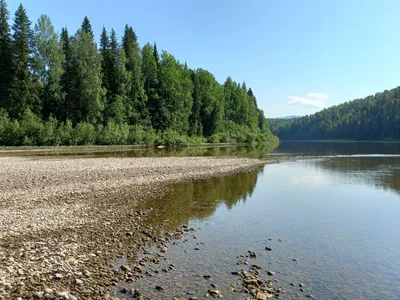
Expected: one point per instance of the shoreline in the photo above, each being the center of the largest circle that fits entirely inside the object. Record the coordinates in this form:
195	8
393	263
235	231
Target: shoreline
65	220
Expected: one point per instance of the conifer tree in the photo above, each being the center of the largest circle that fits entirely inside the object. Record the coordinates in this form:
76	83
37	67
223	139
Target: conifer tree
68	77
6	56
24	91
151	85
87	27
87	91
136	107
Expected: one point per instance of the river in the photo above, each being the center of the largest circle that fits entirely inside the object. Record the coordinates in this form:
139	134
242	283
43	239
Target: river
331	219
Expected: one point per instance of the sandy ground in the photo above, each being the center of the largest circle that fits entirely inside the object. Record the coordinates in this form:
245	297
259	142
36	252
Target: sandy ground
64	220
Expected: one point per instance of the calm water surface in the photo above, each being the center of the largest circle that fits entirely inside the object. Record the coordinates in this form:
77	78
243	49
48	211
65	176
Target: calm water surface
338	213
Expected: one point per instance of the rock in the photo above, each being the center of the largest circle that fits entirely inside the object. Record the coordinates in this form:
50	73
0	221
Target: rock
64	295
252	254
124	290
215	293
164	249
78	281
309	296
207	277
250	282
159	288
292	284
262	296
125	268
38	295
270	273
295	259
268	248
58	276
48	291
196	249
235	273
301	284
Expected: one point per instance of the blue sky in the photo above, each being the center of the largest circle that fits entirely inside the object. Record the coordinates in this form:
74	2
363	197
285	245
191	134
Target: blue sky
298	56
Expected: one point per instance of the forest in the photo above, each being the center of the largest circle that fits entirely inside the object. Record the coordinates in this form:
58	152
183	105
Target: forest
372	118
64	89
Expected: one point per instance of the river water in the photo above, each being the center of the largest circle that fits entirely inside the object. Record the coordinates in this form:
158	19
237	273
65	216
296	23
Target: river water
337	213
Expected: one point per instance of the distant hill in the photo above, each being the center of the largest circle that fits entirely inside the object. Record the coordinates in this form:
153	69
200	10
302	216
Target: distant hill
289	117
372	118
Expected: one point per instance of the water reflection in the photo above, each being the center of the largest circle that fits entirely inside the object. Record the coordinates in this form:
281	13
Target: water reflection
199	199
380	172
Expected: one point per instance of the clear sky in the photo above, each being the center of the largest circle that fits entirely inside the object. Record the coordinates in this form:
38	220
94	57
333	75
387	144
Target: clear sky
298	56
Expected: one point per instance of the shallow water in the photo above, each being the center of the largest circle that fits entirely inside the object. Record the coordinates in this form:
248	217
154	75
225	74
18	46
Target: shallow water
337	213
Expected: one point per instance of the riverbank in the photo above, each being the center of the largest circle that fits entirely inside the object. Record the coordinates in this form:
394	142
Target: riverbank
64	220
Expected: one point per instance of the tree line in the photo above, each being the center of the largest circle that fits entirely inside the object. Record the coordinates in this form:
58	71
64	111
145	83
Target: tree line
372	118
66	90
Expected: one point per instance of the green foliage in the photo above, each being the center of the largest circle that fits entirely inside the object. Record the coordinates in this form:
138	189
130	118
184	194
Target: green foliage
6	56
65	91
87	91
23	90
372	118
84	134
48	59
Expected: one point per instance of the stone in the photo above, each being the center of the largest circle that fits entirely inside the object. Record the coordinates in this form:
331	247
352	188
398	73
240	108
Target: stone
268	248
63	295
38	295
58	276
270	273
78	281
262	296
125	268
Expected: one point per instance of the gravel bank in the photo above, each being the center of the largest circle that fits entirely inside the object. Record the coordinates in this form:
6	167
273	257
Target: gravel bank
64	220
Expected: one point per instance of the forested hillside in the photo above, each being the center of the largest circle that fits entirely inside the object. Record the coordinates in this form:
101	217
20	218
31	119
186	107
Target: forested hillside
372	118
64	89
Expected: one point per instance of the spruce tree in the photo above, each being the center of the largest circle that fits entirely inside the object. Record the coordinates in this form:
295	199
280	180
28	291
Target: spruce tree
87	27
6	56
87	91
150	71
24	91
136	107
68	77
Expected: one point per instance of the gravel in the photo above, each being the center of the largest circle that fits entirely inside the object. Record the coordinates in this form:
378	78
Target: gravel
63	221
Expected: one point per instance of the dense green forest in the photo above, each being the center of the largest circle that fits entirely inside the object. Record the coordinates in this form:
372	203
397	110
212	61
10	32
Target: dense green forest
372	118
63	89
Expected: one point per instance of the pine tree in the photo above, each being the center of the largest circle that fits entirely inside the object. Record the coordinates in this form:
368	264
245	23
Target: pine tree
48	59
136	107
24	91
6	56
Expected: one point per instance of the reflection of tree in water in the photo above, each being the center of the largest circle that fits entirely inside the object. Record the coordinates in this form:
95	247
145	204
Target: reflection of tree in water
380	172
337	148
200	198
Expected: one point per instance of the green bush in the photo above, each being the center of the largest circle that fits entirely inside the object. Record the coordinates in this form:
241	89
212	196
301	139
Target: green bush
84	134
